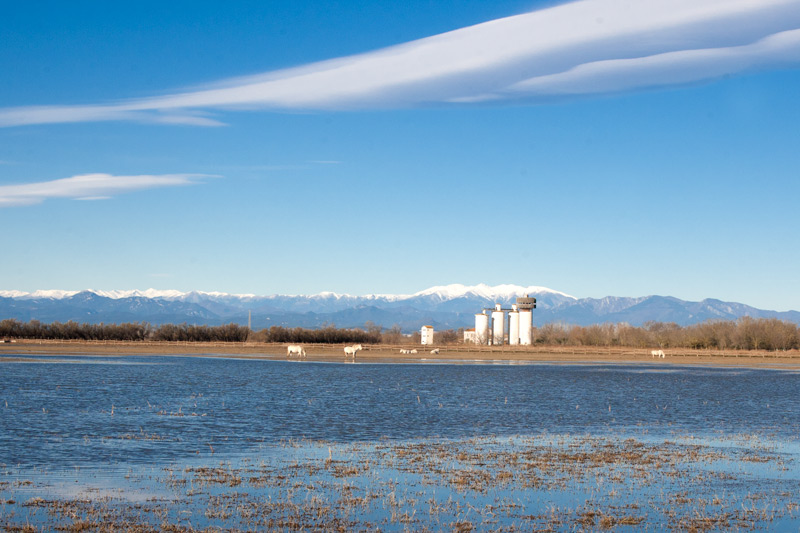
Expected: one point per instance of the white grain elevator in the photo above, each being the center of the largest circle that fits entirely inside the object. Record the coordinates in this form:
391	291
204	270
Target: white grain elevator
493	329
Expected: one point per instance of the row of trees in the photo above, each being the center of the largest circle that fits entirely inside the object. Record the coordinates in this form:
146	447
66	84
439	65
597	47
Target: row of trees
142	331
135	331
325	335
743	334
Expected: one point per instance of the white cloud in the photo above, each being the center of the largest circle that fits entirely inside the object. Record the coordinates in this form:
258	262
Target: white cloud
579	48
88	187
658	70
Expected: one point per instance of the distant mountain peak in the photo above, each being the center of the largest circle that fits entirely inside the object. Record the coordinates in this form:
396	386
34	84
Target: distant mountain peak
457	290
445	306
444	292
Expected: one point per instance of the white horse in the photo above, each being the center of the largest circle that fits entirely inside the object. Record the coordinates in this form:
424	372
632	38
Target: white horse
435	351
350	351
413	351
402	350
295	349
657	353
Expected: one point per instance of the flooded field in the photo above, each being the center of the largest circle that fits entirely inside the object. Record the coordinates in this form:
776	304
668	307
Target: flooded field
181	443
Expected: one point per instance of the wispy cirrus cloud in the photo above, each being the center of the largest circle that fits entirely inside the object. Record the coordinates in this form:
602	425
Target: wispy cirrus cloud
89	187
576	49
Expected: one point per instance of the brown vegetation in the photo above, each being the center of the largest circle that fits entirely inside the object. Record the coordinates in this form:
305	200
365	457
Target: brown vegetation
326	335
136	331
743	334
533	483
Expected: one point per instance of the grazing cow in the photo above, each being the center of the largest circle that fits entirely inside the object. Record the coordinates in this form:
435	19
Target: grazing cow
435	351
350	351
295	349
657	353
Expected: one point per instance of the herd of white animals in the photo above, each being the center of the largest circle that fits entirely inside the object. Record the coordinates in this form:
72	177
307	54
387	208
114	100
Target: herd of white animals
299	351
350	351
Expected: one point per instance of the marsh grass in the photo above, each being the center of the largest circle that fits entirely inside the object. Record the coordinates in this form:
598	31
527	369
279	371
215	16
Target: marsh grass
547	483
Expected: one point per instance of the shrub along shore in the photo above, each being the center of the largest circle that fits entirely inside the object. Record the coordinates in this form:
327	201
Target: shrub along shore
743	334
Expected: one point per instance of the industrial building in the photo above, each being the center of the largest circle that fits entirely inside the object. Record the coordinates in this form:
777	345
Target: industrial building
469	336
496	329
426	335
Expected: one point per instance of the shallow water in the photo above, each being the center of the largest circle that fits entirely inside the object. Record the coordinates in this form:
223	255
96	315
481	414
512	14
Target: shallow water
172	407
109	429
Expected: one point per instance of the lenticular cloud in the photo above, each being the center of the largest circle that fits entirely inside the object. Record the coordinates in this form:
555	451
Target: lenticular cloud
575	49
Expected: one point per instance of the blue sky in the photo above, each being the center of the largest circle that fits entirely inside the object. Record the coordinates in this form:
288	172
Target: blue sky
646	159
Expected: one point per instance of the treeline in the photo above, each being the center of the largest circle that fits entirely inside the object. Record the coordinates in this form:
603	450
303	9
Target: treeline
135	331
142	331
743	334
325	335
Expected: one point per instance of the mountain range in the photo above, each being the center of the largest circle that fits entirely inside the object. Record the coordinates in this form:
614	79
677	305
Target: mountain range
444	307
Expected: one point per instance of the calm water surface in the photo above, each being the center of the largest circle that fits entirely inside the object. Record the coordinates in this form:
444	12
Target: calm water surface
154	443
145	410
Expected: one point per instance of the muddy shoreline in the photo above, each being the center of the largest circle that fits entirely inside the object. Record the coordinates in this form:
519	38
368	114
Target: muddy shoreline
456	354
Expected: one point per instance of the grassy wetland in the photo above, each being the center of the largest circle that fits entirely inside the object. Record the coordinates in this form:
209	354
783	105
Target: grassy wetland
165	443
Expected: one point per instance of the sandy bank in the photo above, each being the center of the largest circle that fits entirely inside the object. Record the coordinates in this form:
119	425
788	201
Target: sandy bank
386	353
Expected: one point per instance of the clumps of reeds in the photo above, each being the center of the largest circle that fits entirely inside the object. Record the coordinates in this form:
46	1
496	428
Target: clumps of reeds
484	483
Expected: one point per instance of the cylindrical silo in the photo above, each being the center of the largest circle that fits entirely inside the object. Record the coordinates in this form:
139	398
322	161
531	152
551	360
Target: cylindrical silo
525	327
513	326
481	328
498	325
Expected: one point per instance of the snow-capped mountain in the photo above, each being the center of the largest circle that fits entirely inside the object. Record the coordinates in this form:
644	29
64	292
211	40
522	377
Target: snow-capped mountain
443	292
504	292
447	306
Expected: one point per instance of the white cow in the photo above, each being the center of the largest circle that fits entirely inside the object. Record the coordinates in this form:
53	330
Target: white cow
295	349
435	351
350	351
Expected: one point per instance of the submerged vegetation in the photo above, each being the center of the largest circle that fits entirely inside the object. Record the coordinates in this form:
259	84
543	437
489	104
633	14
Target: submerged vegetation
535	483
743	334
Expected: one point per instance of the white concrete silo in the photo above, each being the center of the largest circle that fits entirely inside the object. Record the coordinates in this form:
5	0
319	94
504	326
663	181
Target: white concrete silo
481	328
513	325
498	325
526	305
526	327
